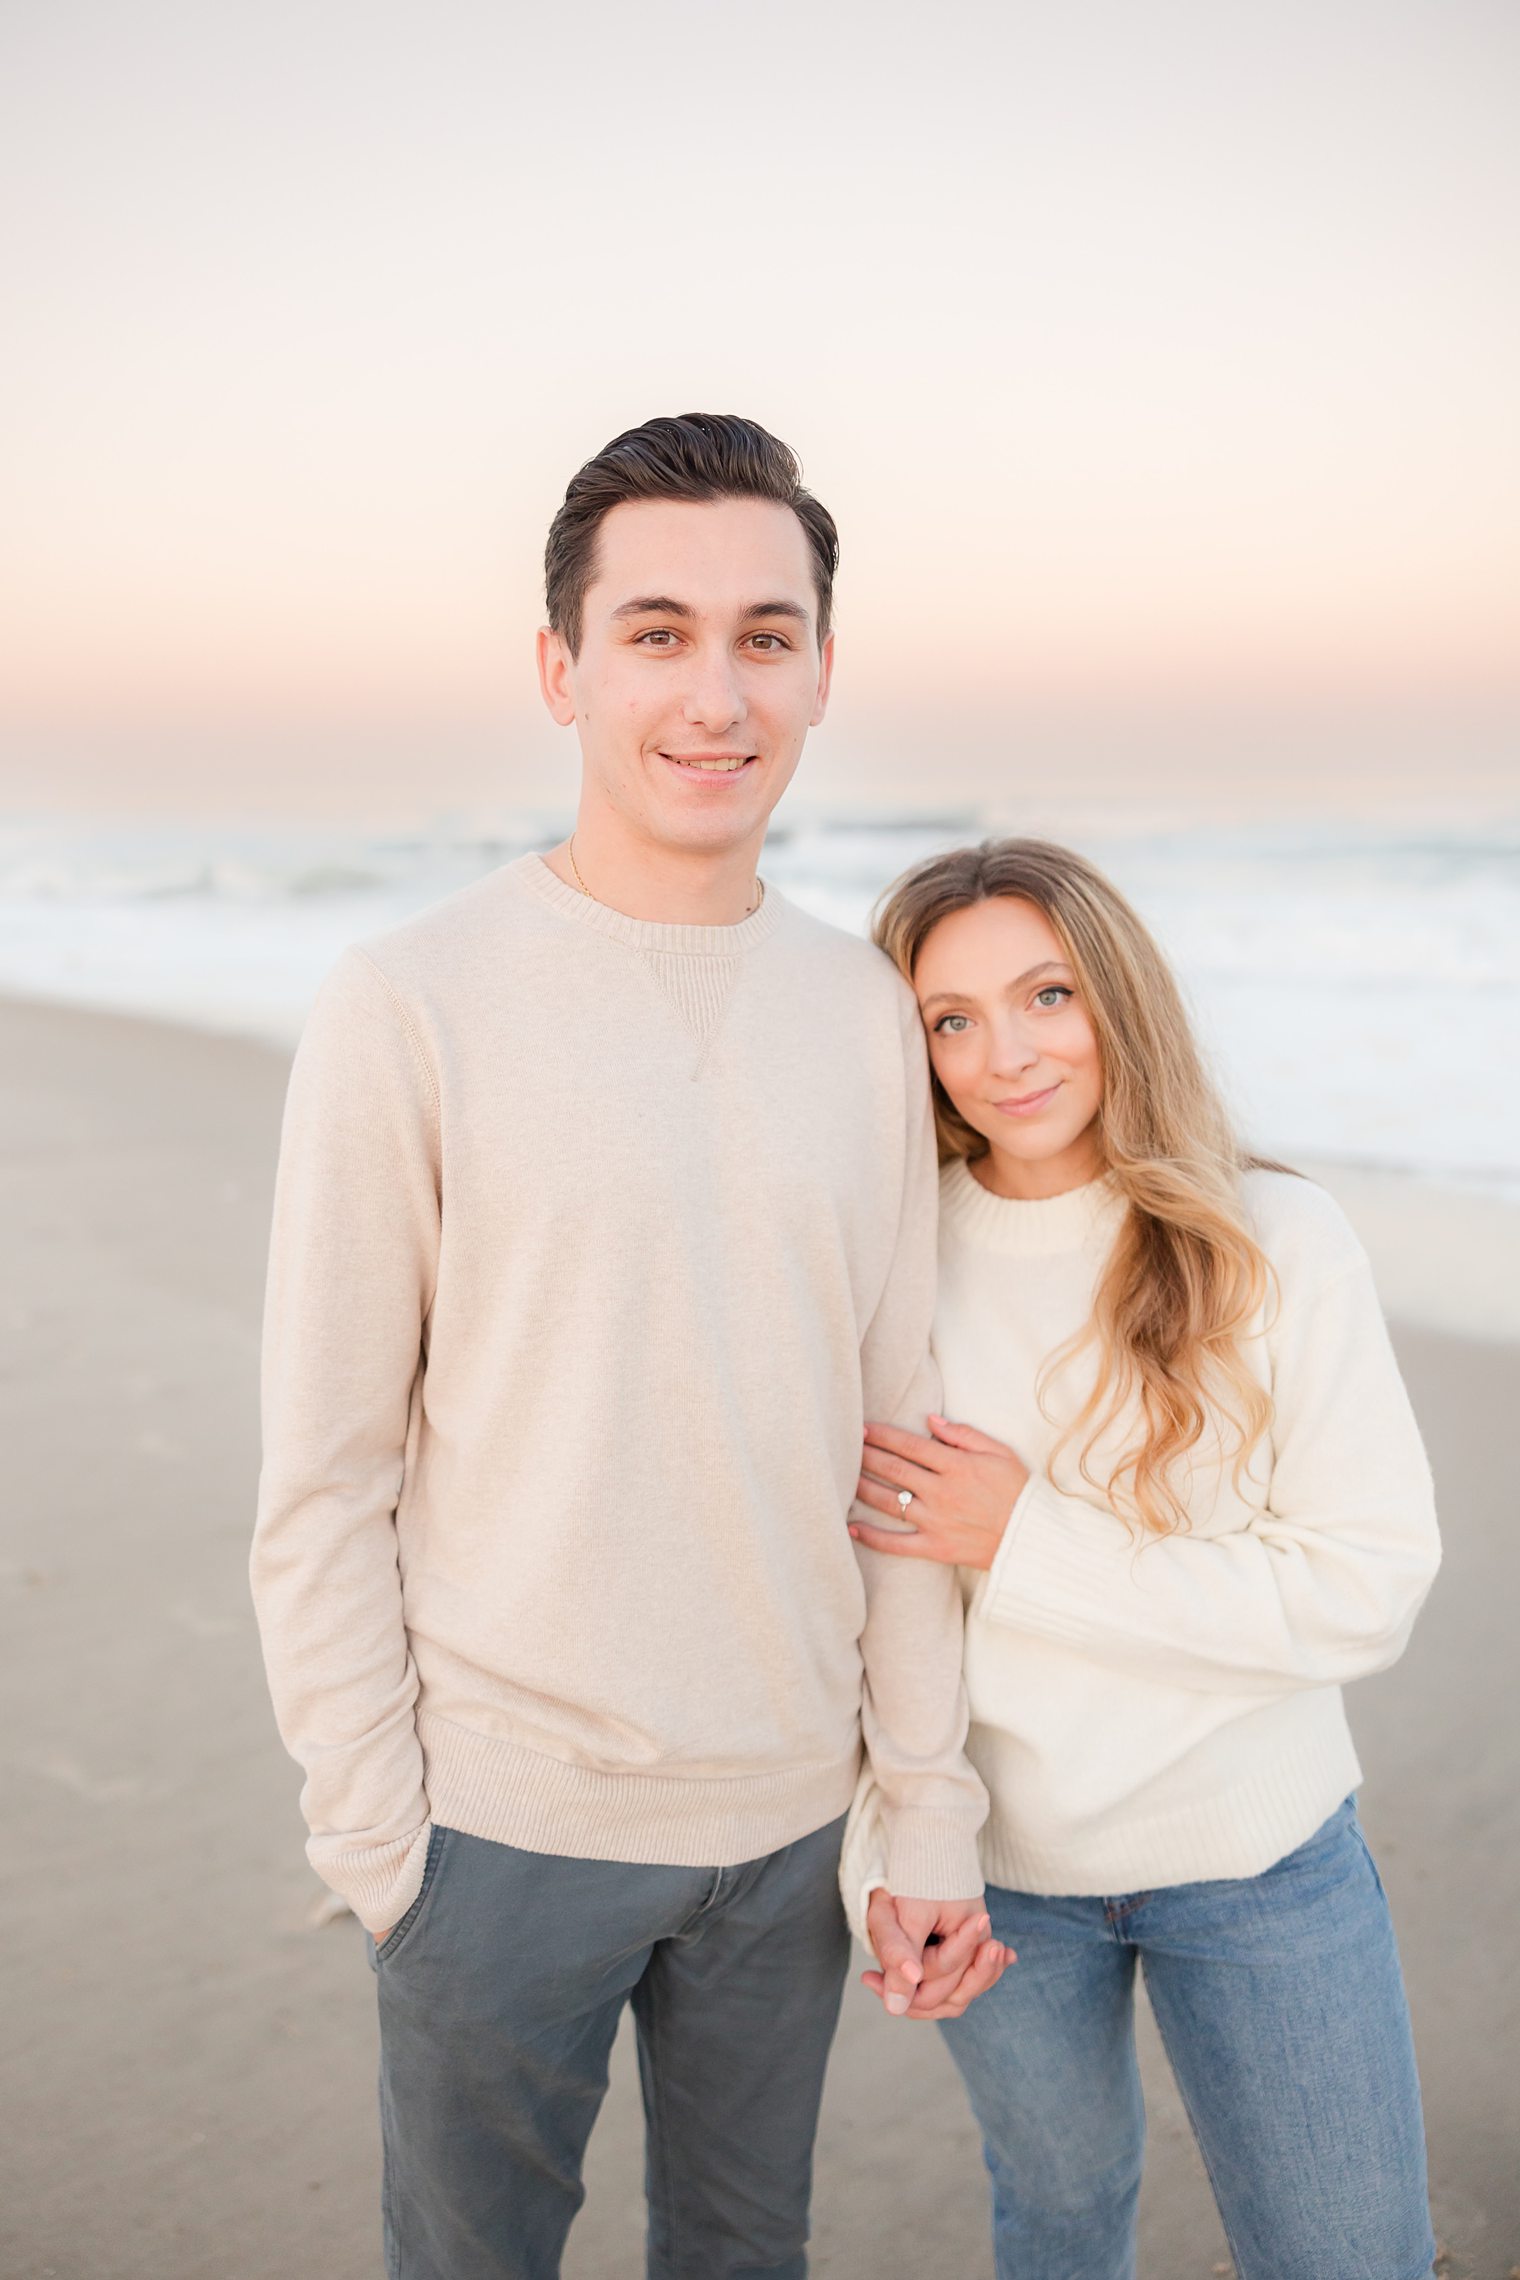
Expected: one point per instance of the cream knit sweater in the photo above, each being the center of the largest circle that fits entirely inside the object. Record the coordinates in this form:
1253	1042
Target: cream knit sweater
1161	1712
594	1241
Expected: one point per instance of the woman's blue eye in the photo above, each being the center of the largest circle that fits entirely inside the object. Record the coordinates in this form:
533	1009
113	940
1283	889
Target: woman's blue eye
942	1026
1052	994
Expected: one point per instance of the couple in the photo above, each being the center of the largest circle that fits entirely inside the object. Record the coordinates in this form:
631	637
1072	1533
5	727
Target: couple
613	1492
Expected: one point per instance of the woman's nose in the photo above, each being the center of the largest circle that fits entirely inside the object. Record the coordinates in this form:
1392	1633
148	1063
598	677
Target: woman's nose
1013	1051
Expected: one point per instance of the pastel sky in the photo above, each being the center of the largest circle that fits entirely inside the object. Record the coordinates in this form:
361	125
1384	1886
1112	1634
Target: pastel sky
1159	362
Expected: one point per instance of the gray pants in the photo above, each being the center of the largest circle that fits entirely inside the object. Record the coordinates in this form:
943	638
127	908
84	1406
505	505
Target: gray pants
500	1995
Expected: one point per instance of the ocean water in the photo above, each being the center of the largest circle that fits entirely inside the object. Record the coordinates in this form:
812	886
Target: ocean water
1356	982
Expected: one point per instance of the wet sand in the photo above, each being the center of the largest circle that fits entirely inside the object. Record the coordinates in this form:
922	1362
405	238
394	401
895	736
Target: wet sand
188	2059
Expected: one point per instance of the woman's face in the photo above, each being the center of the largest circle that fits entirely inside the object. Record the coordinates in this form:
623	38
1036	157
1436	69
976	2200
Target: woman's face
1013	1044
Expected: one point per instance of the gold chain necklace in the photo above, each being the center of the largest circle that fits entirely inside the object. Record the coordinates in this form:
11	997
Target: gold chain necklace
590	897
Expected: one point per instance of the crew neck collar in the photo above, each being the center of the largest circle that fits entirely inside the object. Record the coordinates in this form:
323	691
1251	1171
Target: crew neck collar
1029	1226
644	933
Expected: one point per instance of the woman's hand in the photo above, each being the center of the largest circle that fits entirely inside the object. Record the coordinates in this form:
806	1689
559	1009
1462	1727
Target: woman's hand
964	1486
920	1982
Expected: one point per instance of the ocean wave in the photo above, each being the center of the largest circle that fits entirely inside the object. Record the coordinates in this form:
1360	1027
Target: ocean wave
1359	989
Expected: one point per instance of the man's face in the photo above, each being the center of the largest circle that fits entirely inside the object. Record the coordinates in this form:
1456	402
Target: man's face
699	673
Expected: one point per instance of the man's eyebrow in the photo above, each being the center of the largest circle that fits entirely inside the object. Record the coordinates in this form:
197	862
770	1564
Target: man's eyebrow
653	605
663	605
959	997
793	610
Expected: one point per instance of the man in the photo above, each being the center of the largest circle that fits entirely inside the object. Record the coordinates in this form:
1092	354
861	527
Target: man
605	1214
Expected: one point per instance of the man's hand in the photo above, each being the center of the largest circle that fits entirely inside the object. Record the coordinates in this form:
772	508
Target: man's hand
920	1981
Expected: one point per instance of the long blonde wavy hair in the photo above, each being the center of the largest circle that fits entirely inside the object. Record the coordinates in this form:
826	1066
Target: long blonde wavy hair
1185	1280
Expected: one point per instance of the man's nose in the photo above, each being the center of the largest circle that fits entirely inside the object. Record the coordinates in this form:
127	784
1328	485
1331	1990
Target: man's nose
713	697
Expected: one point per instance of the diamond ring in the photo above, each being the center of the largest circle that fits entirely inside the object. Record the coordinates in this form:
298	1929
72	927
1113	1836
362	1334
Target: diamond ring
904	1499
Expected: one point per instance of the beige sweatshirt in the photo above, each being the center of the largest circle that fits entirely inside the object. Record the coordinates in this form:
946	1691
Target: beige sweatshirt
1161	1712
594	1242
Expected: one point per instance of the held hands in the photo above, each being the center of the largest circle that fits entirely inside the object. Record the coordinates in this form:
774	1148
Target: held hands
917	1981
964	1487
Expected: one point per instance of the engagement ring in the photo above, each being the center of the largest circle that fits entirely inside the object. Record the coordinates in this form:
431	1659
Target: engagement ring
904	1499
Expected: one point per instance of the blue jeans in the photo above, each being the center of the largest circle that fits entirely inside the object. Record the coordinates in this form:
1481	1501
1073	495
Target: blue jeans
1281	2005
500	1994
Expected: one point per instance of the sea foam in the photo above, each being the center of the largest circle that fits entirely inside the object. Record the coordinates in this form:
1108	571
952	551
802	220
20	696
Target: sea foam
1358	985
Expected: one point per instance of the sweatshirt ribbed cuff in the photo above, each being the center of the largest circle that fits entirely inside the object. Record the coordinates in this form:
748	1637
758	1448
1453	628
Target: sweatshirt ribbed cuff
933	1855
379	1882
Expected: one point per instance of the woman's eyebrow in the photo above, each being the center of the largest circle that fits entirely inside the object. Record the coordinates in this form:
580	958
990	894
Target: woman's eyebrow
1019	982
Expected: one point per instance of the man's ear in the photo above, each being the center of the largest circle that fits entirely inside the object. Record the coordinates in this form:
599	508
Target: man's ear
556	675
825	681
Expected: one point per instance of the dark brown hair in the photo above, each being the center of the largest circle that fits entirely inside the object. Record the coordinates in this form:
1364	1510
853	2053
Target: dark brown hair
697	456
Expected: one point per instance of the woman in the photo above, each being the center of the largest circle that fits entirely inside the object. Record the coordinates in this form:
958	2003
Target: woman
1193	1504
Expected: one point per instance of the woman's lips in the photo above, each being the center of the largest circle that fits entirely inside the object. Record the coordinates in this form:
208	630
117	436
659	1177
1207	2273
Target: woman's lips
1029	1104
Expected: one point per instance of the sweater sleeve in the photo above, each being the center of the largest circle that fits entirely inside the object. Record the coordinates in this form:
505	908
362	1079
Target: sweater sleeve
351	1269
863	1856
914	1711
1321	1586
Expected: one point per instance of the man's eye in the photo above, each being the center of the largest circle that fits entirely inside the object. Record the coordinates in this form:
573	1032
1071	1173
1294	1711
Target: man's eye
772	641
658	637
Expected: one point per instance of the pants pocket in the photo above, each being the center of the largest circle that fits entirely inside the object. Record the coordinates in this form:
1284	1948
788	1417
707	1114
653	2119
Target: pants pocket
398	1932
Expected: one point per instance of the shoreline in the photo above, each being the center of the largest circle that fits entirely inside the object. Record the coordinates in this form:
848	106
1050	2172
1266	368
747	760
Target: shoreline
1446	1256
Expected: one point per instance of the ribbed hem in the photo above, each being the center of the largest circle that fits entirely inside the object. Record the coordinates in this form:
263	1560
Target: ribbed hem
517	1796
1239	1832
1050	1225
532	872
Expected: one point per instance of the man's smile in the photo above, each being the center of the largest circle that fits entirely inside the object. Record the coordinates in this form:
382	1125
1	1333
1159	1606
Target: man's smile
711	763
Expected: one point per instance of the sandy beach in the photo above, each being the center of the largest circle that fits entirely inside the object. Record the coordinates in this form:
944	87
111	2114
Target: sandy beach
189	2051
